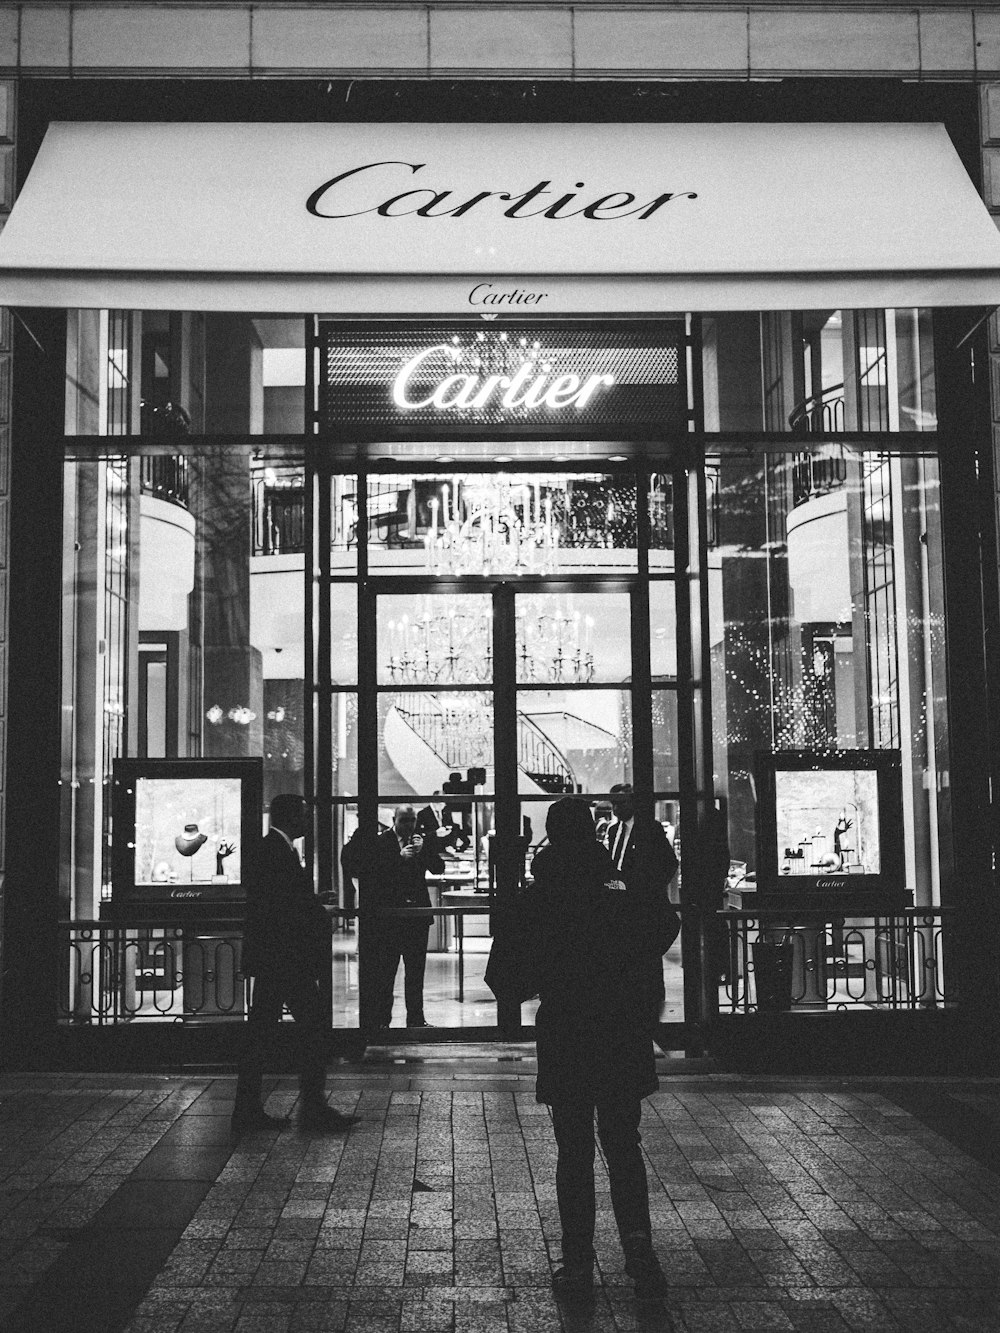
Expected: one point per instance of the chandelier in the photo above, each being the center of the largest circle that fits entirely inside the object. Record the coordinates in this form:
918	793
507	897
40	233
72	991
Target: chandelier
500	525
448	647
555	648
454	646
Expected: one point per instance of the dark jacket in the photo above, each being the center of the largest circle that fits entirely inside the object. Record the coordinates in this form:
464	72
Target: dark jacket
287	931
428	824
395	882
648	867
583	935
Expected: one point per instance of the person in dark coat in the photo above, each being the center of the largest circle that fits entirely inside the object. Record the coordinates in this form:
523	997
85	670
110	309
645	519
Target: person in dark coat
583	933
286	948
647	863
397	881
434	827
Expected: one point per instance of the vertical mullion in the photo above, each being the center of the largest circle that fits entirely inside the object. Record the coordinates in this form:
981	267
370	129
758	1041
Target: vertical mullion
324	689
508	823
642	687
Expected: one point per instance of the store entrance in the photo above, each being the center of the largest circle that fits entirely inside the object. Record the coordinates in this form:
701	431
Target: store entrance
491	703
550	647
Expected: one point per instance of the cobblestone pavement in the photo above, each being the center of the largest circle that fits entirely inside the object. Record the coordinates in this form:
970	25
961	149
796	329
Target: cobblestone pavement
800	1204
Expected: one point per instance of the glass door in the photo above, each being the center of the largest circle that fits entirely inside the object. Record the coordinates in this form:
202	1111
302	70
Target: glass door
478	693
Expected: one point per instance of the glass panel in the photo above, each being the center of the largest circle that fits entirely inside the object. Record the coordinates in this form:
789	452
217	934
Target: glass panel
424	737
573	637
573	740
171	373
662	631
435	639
517	523
819	370
661	522
161	551
666	765
343	633
343	524
827	632
672	1009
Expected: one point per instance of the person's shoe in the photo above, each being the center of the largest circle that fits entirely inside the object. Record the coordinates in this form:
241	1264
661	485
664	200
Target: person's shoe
642	1265
574	1278
326	1118
247	1120
421	1023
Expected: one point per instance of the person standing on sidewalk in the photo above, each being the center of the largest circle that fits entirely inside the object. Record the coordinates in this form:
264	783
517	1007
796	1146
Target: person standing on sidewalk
647	863
580	935
286	947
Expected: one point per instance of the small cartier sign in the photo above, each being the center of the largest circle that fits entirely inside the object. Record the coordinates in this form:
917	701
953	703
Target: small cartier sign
490	295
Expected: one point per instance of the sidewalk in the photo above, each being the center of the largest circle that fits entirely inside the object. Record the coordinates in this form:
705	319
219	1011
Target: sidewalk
805	1204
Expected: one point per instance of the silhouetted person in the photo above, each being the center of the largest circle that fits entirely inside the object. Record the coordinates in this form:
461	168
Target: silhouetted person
647	863
286	949
397	880
456	786
583	934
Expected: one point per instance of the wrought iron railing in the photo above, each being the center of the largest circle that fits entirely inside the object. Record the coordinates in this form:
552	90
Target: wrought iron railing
461	736
541	759
815	474
820	413
154	971
279	510
817	961
166	476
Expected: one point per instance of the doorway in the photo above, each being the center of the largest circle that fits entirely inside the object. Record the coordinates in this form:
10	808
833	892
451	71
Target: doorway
484	695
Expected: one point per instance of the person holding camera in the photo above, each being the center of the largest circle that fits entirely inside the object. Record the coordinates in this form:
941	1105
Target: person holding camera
398	881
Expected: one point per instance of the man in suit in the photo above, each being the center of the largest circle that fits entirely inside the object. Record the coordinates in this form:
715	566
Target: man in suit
286	948
647	862
434	827
398	880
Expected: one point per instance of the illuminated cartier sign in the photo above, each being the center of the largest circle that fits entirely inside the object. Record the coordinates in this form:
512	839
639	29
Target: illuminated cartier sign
528	387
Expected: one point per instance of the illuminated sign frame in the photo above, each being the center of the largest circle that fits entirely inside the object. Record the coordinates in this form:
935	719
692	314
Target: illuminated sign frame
616	377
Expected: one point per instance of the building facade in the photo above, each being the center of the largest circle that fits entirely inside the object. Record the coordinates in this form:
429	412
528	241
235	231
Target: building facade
740	552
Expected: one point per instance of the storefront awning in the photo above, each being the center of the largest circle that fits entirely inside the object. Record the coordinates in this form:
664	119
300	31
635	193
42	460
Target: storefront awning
531	219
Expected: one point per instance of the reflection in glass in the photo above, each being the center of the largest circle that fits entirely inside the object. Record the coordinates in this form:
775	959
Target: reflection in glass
184	598
826	628
573	740
530	523
435	639
666	769
573	637
425	736
662	631
344	633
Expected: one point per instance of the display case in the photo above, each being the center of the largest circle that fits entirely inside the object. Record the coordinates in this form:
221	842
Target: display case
184	836
829	831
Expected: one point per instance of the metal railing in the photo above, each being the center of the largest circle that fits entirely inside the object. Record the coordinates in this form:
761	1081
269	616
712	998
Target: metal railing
820	413
815	474
845	963
166	476
154	971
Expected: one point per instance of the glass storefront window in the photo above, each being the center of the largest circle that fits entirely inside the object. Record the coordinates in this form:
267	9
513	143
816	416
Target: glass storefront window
572	637
574	740
434	639
169	374
183	633
501	524
819	371
827	631
425	735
